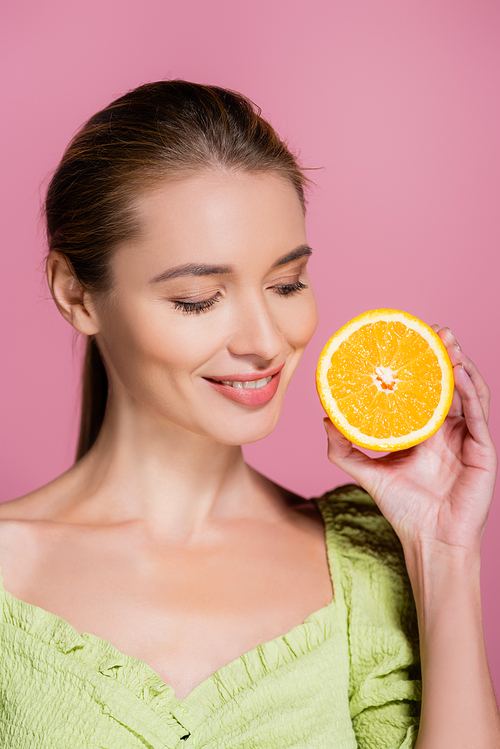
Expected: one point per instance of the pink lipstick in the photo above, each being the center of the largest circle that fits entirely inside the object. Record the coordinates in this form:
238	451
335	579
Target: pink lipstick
250	388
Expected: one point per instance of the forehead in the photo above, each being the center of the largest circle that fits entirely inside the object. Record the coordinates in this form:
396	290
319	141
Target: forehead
219	215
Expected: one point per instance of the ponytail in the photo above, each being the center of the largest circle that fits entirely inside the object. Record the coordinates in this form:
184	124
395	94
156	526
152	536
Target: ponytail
94	398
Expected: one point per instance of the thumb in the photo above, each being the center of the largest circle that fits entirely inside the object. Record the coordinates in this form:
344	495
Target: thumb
344	455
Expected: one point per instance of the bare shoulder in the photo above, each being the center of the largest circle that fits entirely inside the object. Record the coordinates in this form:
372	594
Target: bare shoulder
16	516
48	502
33	506
300	509
15	509
22	524
17	541
305	508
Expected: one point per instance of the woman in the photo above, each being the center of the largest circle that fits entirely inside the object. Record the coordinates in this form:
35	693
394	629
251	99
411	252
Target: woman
161	593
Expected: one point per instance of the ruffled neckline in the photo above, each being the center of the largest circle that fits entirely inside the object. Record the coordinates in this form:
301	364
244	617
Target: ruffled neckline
221	687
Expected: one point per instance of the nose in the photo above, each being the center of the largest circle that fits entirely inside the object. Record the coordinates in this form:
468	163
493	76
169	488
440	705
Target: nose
255	332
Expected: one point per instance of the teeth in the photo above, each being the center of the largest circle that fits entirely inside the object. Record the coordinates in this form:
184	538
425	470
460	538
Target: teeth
250	385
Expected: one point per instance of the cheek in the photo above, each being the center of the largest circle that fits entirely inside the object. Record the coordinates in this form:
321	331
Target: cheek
147	347
300	322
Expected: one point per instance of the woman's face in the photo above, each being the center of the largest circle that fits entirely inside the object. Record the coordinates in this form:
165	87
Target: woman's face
212	305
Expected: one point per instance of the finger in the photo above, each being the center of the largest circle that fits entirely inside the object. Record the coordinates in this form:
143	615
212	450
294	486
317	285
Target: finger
457	356
482	388
456	408
343	454
473	411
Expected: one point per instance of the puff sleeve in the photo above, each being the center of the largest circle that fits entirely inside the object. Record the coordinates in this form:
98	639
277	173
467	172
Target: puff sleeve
385	680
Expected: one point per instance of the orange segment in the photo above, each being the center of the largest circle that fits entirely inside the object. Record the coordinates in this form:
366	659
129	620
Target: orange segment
385	380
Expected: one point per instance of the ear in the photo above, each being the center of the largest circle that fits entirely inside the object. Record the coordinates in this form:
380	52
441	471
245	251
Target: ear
72	301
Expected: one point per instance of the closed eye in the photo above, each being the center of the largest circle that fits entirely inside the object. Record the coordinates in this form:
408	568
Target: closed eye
197	307
289	288
204	305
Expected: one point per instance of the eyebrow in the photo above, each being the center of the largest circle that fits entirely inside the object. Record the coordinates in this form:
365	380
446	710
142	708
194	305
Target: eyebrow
203	269
303	251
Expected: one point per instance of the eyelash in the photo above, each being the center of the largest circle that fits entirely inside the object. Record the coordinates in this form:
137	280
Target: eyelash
198	307
290	288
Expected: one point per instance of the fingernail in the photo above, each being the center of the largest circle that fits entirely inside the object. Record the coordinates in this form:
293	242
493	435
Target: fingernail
324	424
452	335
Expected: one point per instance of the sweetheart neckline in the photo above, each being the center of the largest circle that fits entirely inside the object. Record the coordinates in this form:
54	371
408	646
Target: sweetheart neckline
318	614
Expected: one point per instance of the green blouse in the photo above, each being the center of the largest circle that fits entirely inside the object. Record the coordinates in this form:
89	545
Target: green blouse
347	677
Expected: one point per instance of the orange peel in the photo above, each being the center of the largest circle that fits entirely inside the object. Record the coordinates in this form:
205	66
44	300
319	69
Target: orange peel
385	380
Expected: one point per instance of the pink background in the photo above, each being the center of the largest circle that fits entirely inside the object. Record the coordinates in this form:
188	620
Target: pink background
396	100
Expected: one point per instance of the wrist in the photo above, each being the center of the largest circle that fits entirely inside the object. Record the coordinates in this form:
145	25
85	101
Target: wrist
424	551
442	576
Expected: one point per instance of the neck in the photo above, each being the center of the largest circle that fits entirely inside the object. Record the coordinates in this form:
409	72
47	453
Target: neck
172	479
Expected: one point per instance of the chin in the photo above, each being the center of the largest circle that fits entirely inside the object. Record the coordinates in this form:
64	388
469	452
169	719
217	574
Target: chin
243	431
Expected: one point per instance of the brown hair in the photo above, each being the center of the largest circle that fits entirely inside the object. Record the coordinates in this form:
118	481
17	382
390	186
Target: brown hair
158	131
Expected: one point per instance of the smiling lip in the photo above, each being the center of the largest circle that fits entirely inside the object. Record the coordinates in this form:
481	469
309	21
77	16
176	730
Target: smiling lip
250	396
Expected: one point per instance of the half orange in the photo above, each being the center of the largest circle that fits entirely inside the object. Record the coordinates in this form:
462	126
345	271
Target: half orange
385	380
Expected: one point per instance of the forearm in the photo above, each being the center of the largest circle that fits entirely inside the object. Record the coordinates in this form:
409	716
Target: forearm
459	707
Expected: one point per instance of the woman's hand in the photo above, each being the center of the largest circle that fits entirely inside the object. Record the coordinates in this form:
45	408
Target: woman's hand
441	489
